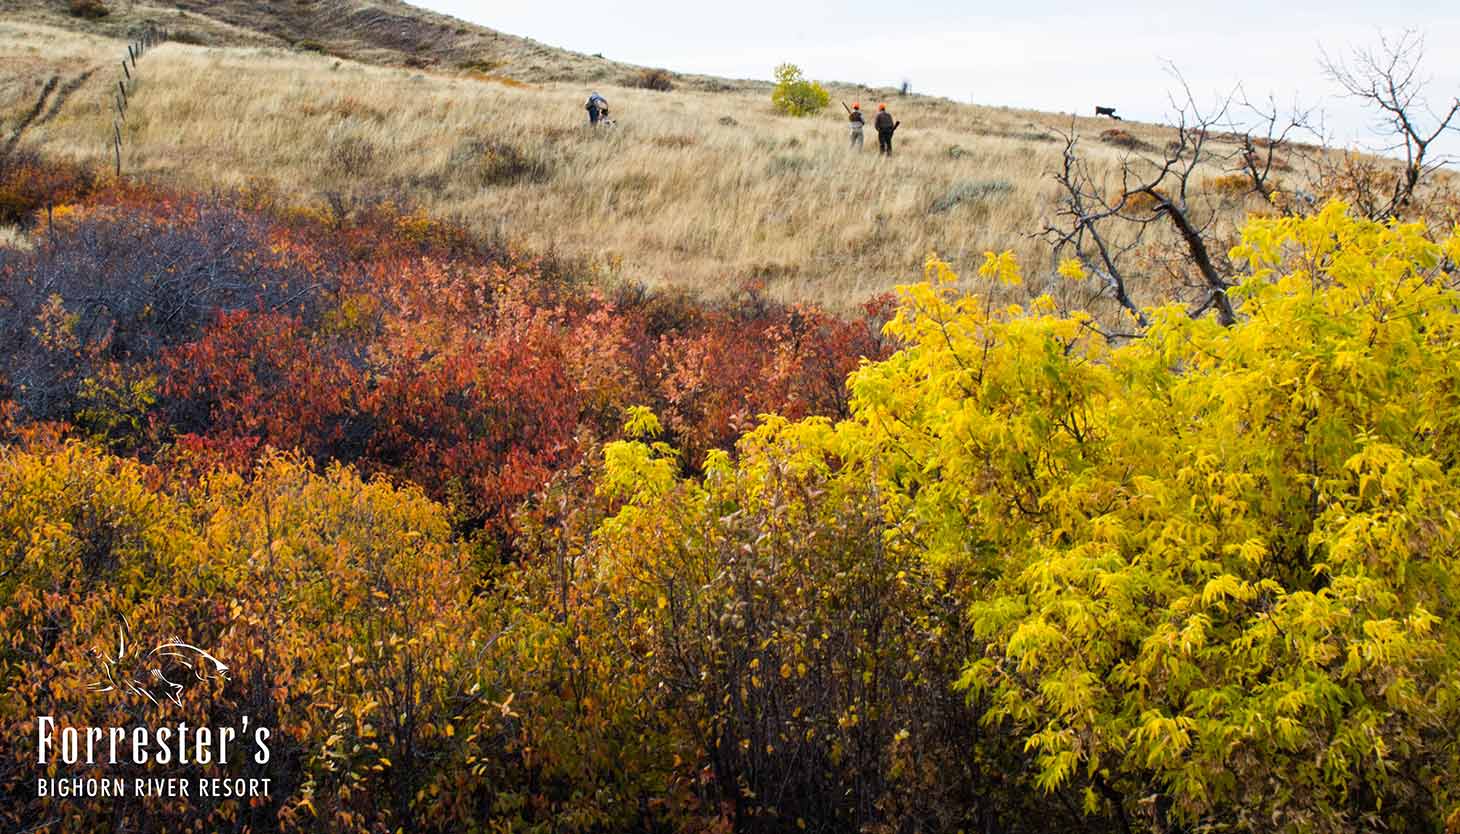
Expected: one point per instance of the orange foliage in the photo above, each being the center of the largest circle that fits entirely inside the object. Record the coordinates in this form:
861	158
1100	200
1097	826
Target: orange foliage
384	337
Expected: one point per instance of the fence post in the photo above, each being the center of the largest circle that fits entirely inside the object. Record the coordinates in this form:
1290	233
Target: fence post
152	34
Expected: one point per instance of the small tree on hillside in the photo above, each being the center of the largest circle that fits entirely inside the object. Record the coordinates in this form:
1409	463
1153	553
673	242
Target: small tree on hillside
1387	79
795	95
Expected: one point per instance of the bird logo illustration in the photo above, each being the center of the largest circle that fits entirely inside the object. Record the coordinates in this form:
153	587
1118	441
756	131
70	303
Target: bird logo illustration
165	672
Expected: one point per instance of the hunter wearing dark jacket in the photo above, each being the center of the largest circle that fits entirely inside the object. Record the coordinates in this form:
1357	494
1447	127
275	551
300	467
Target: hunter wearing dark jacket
885	128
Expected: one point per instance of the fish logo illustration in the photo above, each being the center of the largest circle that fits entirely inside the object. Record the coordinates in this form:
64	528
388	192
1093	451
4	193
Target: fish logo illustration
165	672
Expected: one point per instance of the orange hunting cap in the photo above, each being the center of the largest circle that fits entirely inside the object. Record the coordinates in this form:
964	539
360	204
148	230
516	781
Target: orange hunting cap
881	107
856	105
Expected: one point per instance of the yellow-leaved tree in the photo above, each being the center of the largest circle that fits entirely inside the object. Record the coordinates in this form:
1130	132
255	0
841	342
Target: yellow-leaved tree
796	95
1210	573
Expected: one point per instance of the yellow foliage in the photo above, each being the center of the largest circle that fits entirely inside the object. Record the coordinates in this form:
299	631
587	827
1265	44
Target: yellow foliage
1216	558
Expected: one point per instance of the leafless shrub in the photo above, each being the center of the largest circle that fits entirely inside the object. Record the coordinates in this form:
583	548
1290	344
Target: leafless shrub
1103	230
116	285
1387	79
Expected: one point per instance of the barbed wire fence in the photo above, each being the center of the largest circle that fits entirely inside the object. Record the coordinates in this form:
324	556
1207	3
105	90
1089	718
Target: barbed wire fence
150	36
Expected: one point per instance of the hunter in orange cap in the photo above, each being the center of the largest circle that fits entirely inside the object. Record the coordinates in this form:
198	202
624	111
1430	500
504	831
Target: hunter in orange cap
885	128
854	118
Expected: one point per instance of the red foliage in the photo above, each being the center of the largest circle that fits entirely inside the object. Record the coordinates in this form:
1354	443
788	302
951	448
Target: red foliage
30	185
257	379
489	416
393	341
715	379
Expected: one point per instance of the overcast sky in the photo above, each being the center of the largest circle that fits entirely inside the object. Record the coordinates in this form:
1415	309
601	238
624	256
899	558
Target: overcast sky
1054	55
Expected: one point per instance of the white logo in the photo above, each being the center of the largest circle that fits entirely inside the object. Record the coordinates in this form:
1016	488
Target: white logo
167	671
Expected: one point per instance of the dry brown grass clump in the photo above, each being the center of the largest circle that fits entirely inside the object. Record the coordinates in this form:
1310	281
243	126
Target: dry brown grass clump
1232	185
88	9
1122	139
654	79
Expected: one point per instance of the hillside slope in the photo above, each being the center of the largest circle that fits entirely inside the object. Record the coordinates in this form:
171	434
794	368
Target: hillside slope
385	32
705	187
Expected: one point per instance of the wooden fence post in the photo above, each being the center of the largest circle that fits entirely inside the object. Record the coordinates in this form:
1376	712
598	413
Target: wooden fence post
149	36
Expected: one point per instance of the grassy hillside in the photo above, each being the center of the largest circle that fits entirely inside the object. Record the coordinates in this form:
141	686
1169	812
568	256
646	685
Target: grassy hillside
705	186
495	541
373	31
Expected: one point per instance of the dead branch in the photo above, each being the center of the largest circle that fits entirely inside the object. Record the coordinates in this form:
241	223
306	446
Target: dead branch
1387	79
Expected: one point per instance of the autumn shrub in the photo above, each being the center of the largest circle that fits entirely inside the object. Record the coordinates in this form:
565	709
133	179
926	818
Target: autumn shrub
364	605
715	379
343	608
383	581
1212	569
95	559
29	185
795	95
489	418
659	80
1175	627
126	284
1230	185
88	9
1219	560
15	208
1142	201
114	405
802	663
383	337
254	380
493	549
1122	139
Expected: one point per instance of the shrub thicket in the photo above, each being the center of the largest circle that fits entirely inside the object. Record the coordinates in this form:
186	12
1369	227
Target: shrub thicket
88	9
659	80
536	556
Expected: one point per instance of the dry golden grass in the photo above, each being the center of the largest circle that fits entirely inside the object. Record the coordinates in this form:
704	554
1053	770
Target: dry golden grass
382	32
691	188
13	238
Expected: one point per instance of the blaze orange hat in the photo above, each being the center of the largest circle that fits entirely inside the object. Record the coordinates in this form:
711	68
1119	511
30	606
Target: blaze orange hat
856	105
881	107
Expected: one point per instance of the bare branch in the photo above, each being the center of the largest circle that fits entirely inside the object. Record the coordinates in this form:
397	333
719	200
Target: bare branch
1387	79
